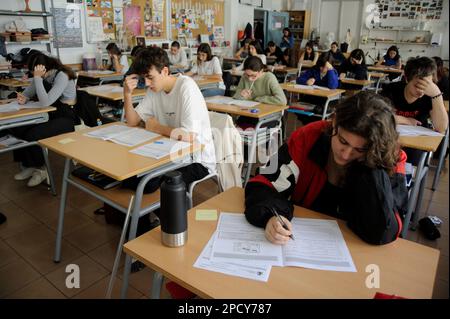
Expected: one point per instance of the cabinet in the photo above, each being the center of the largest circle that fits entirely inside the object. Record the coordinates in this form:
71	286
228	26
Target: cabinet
299	24
45	16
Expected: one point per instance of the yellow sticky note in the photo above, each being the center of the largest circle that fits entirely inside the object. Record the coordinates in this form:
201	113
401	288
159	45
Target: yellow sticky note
206	214
66	141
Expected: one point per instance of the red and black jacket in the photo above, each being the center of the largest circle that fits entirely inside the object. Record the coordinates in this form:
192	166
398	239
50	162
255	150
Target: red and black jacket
296	175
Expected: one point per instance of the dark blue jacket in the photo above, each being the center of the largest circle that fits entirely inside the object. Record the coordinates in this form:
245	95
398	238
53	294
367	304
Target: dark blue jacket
330	80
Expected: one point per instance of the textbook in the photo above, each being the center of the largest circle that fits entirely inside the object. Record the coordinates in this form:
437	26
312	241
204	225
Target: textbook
231	101
123	135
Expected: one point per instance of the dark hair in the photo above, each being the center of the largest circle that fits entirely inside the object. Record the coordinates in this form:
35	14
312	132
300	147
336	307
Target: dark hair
205	48
288	30
358	54
270	44
440	71
175	44
335	43
306	56
253	63
371	116
113	48
50	63
420	67
321	61
136	49
395	49
148	58
257	46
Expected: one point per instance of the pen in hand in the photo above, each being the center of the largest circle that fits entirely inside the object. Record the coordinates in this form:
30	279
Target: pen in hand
280	220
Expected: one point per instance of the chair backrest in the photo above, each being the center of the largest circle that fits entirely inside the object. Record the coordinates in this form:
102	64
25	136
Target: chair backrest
228	148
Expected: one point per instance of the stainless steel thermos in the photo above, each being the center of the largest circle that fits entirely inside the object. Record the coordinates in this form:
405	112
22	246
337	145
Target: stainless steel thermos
173	213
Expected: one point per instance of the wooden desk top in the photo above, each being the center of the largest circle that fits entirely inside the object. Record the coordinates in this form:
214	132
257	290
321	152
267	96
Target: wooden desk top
384	69
114	96
14	83
263	109
306	64
377	75
356	82
25	112
284	69
290	87
203	80
96	75
423	143
407	268
230	58
109	158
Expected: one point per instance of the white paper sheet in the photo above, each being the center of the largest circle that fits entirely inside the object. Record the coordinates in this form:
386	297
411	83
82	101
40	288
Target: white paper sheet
9	140
410	130
238	241
303	87
231	101
254	272
160	148
14	106
318	244
123	135
108	132
107	88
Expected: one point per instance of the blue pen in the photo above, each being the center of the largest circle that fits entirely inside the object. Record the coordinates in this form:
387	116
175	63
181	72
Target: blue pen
254	111
159	142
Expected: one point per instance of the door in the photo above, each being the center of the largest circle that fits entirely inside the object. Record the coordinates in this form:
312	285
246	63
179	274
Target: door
276	22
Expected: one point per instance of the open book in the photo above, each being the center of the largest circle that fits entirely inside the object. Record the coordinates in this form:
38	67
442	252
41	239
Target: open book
411	130
310	87
160	148
318	244
231	101
123	135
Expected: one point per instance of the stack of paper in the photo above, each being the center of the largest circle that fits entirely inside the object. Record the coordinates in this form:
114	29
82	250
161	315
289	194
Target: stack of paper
310	87
410	130
15	106
318	244
9	140
160	148
231	101
123	135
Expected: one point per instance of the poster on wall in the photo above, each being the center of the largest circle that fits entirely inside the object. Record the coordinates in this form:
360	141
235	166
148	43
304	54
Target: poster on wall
412	10
132	19
118	15
68	25
153	18
94	29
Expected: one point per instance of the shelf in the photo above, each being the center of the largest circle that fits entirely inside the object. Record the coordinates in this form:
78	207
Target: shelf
405	30
28	42
397	42
29	14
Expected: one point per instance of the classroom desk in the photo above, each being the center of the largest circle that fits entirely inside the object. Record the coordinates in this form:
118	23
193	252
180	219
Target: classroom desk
112	96
14	83
117	162
287	71
384	69
205	81
99	77
329	95
426	144
266	113
407	269
26	117
379	76
363	84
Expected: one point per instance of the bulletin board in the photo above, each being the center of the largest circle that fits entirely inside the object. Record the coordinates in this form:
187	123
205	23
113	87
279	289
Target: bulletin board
152	18
190	18
409	9
97	10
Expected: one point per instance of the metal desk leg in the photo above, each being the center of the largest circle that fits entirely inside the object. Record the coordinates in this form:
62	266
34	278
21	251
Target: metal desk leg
377	87
325	108
414	193
441	161
419	198
157	283
62	207
49	170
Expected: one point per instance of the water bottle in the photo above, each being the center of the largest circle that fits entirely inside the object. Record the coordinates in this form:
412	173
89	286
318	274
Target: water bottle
173	215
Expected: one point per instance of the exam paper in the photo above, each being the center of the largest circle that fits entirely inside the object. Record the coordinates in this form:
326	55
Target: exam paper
410	130
123	135
318	244
160	148
231	101
108	132
250	271
108	88
15	106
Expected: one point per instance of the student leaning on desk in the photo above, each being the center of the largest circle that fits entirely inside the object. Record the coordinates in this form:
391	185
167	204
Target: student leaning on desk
350	167
173	107
53	85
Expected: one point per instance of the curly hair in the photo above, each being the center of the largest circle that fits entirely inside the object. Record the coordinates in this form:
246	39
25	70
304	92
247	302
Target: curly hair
371	116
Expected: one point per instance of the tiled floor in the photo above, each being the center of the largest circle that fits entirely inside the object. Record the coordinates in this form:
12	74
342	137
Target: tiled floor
27	239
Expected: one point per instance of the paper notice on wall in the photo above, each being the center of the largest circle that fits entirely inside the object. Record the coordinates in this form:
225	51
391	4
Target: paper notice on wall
118	15
277	25
117	3
95	29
